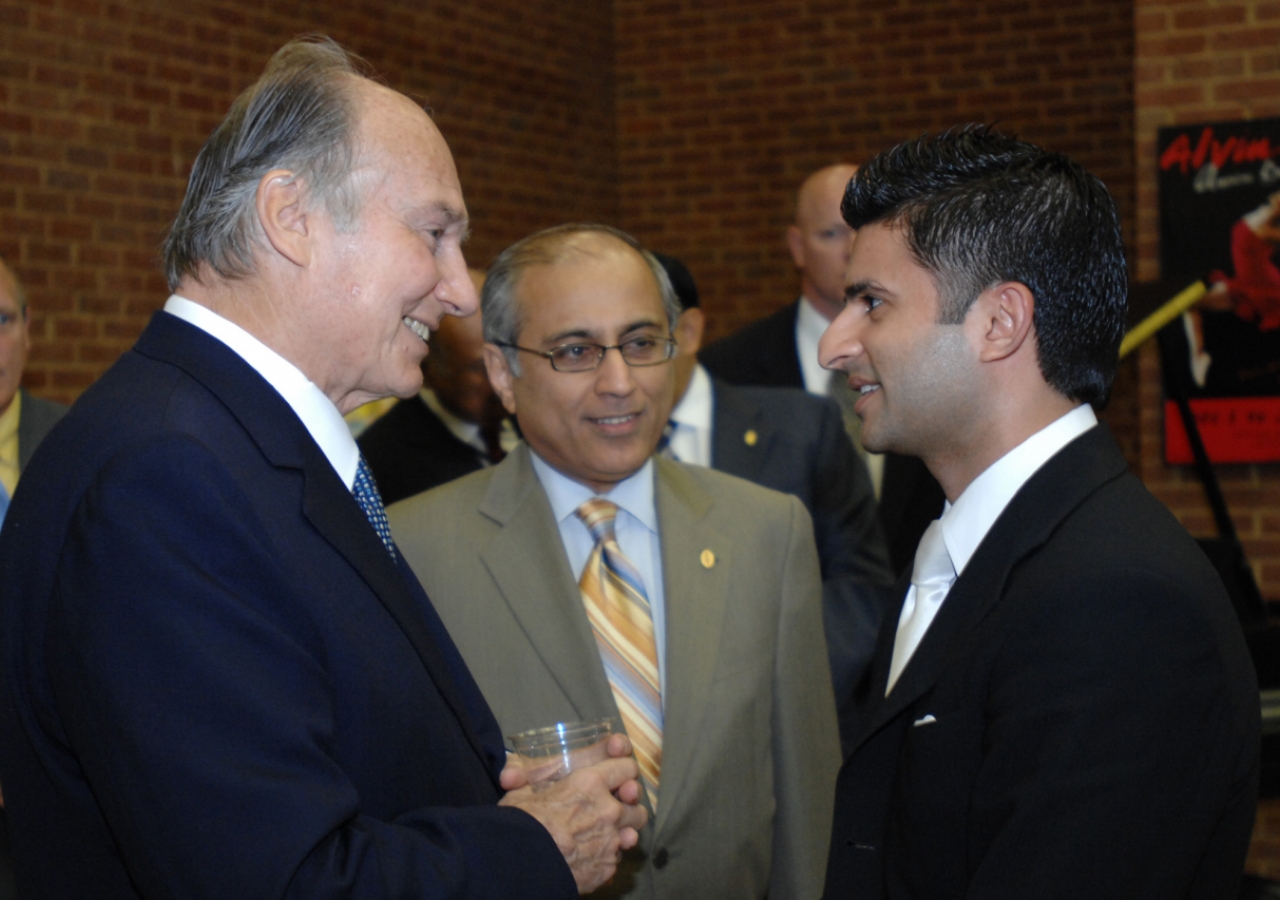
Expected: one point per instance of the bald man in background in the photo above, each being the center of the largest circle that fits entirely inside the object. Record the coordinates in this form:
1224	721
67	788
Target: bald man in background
781	350
453	426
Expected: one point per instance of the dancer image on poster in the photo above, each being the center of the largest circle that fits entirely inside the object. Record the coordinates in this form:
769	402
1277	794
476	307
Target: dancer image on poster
1252	295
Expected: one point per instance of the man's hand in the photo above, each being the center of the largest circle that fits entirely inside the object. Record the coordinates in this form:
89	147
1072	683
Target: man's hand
592	814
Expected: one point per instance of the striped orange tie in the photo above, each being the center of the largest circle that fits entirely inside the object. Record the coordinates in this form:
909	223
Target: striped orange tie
618	610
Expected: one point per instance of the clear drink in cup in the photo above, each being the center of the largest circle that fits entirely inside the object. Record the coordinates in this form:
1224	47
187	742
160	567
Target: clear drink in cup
549	754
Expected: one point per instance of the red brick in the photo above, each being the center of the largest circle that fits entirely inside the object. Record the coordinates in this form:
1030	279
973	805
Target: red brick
1246	39
1254	89
1218	16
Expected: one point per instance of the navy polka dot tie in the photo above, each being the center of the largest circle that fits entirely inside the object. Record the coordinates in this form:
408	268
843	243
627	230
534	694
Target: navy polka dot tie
366	493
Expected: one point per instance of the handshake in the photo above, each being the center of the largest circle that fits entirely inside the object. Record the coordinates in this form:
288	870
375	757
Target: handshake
592	812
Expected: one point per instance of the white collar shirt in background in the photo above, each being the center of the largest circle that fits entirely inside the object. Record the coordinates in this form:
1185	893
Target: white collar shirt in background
636	528
692	418
317	412
810	324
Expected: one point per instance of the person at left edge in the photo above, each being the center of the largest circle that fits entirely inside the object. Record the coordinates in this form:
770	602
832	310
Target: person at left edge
220	679
24	419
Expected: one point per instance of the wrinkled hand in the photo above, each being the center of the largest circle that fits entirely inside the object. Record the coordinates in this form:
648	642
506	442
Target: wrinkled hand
592	814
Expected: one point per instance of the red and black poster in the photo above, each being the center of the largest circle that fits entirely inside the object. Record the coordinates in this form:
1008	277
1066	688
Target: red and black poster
1220	224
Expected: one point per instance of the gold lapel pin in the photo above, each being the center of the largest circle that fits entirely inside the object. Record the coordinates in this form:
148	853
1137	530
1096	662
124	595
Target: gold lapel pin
750	437
708	559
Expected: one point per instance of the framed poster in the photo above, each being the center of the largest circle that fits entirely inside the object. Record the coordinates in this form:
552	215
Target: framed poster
1220	223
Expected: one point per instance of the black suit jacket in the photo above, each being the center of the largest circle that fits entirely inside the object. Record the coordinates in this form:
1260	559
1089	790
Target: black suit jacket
764	353
1080	720
216	681
409	450
794	442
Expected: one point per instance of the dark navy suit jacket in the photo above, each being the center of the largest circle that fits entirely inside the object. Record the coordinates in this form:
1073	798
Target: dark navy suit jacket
216	680
1080	720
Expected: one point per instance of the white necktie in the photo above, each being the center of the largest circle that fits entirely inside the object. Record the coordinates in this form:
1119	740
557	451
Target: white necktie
931	576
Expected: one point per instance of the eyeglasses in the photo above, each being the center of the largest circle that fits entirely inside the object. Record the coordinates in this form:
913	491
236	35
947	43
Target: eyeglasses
640	351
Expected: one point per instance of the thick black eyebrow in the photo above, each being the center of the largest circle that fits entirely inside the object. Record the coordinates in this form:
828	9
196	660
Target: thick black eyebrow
858	287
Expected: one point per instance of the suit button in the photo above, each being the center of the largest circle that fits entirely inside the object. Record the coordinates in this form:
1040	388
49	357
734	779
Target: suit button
660	858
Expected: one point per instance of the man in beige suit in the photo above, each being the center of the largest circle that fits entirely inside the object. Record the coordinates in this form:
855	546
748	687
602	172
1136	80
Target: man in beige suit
742	780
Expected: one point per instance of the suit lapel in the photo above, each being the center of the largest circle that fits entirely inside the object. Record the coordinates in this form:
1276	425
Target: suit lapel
782	358
326	502
696	599
1058	487
528	563
334	513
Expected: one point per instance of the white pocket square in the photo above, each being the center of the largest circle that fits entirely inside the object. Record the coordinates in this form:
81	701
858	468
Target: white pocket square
924	720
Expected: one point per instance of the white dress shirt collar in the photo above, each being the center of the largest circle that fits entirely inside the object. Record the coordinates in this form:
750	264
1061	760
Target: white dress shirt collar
317	412
966	522
633	494
810	324
691	441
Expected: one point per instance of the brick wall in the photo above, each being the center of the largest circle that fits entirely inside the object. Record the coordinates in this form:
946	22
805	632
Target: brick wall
1197	62
1202	61
103	106
724	107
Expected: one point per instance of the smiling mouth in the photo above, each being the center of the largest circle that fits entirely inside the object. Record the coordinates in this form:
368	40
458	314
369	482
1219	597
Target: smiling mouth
614	420
418	328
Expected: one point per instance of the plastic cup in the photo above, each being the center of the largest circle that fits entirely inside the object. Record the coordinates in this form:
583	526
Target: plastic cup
549	754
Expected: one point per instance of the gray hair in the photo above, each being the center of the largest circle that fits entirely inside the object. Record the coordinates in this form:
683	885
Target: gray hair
298	116
498	309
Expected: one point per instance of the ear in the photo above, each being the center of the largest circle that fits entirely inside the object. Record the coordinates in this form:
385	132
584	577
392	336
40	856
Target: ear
1005	317
282	215
795	241
689	328
495	363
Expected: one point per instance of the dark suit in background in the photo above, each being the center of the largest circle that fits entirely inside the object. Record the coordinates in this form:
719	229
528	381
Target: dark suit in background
795	442
269	664
38	417
409	450
1086	661
764	353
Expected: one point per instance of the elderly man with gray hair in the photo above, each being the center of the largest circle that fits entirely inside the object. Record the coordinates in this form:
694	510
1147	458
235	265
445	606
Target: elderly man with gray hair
219	677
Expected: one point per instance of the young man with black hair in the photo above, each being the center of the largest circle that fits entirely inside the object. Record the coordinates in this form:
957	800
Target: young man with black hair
1062	704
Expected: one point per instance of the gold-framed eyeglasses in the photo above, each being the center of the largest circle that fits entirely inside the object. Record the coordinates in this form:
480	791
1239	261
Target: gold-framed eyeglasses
639	351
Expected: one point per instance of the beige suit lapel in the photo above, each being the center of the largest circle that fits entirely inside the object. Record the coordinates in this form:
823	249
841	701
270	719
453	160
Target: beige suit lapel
696	587
528	564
